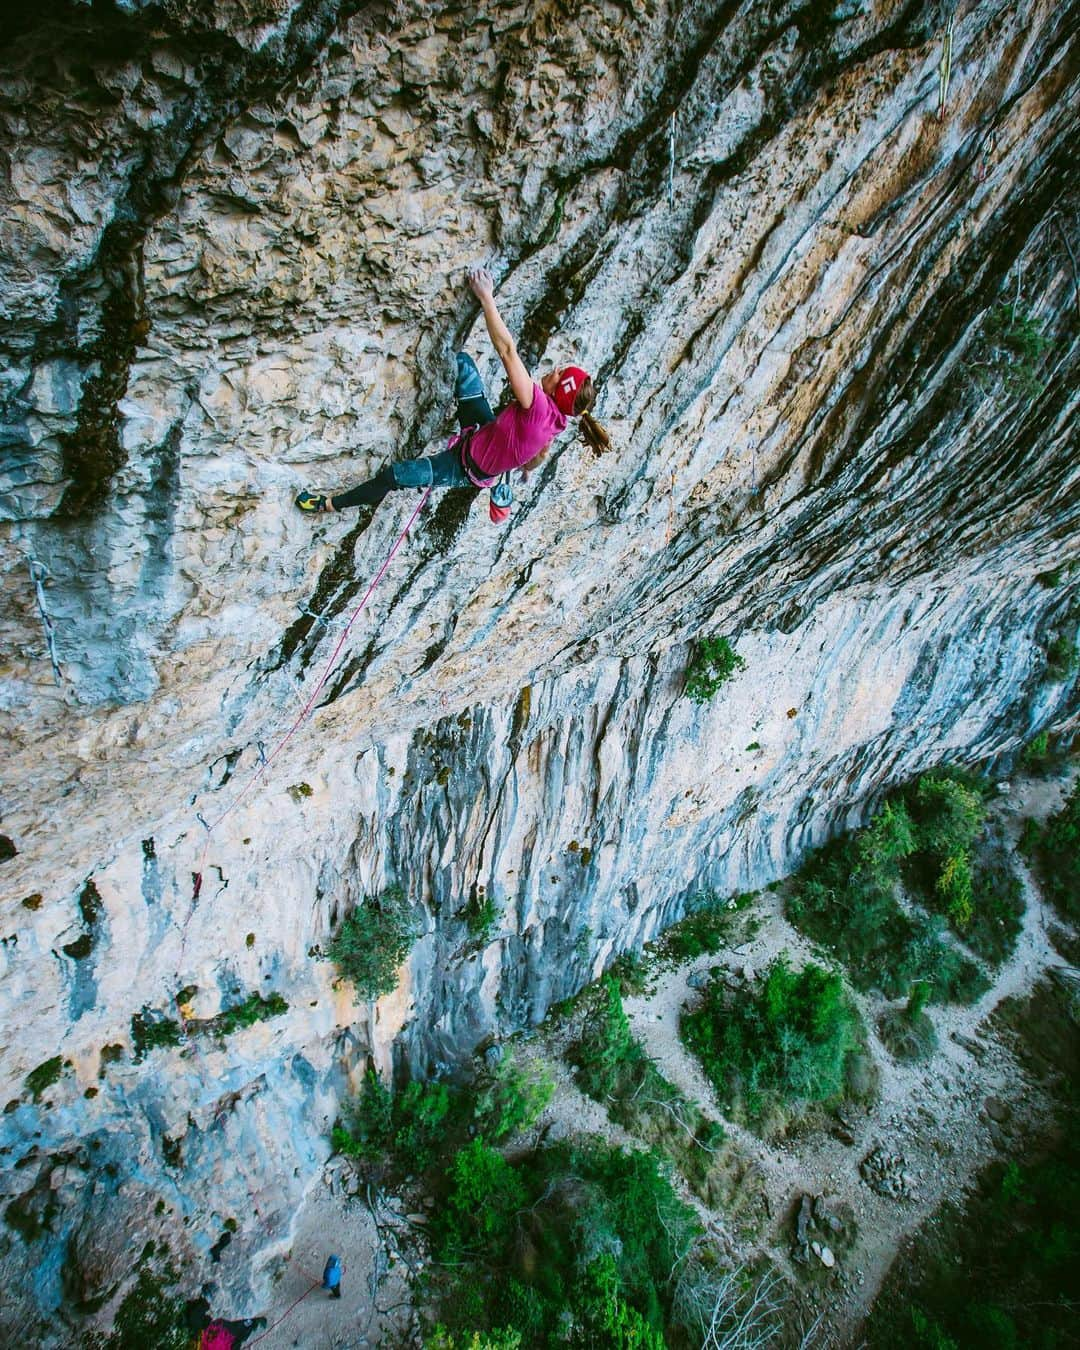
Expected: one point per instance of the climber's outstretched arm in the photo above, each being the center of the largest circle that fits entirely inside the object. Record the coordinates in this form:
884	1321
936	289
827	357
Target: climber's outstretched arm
521	382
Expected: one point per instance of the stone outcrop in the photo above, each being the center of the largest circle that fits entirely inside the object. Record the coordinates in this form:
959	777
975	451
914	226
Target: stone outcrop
234	238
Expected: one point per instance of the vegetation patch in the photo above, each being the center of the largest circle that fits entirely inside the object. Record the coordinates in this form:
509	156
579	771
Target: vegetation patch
408	1131
481	916
613	1068
778	1047
847	895
150	1315
151	1030
254	1009
1009	352
372	942
577	1243
907	1033
1054	850
1001	1271
42	1078
713	661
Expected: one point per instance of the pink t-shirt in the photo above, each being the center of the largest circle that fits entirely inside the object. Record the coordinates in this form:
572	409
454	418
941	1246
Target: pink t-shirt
517	434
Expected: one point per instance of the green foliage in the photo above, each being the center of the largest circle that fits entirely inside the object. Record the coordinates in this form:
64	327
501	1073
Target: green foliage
254	1009
149	1317
712	661
1035	754
1000	1270
481	916
571	1244
928	1335
372	942
44	1076
499	1339
604	1318
486	1193
775	1049
1009	351
1061	657
926	838
511	1099
707	928
151	1030
907	1033
1054	848
613	1068
607	1047
403	1132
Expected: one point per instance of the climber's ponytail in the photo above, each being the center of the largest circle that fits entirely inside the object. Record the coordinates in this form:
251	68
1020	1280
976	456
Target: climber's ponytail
592	433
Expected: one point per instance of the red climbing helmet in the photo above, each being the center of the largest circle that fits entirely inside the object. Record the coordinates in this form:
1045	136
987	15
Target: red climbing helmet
571	378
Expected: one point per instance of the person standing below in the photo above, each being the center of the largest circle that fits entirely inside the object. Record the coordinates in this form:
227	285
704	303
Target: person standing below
488	446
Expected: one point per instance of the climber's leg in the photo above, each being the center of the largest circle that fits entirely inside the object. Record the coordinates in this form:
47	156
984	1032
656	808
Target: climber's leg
441	470
370	493
473	409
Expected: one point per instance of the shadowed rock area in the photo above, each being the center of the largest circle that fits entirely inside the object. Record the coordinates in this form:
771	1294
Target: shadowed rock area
233	240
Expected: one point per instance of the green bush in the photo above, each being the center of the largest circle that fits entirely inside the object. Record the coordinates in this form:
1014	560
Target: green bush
486	1194
712	661
1061	657
931	838
775	1049
149	1317
1054	849
254	1009
404	1131
498	1339
151	1030
613	1068
511	1098
572	1244
372	942
43	1077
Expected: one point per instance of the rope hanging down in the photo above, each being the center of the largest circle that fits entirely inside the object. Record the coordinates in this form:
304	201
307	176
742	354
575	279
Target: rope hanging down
267	759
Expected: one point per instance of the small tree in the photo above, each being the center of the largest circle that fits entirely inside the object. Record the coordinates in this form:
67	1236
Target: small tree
372	942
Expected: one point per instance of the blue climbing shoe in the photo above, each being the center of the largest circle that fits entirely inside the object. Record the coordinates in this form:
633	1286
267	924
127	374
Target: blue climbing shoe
313	503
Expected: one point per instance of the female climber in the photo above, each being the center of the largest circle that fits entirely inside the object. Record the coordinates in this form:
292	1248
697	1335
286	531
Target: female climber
487	446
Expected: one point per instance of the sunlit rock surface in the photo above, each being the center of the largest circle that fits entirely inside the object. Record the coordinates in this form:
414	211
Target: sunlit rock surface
233	246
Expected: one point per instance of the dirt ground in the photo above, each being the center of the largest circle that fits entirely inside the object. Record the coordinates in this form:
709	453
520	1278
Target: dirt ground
933	1115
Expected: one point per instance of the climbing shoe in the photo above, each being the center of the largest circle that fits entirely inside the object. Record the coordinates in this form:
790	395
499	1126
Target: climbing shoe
313	503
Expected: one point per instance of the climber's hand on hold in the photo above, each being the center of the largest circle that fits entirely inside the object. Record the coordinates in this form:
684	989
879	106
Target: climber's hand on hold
482	283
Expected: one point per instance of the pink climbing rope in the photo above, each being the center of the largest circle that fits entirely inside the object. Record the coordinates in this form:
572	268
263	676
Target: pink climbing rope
306	709
263	1334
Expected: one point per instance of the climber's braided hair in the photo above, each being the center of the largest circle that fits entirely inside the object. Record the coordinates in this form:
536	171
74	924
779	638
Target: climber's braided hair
592	433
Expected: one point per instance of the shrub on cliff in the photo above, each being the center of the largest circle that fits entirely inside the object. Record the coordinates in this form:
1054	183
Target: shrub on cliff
712	661
777	1047
371	943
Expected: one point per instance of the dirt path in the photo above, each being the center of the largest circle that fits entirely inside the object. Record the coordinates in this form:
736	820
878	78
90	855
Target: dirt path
934	1115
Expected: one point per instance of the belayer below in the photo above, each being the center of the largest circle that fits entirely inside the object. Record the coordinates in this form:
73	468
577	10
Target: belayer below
487	447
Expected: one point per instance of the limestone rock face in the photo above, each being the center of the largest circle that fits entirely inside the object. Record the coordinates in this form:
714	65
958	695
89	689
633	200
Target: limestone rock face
832	316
